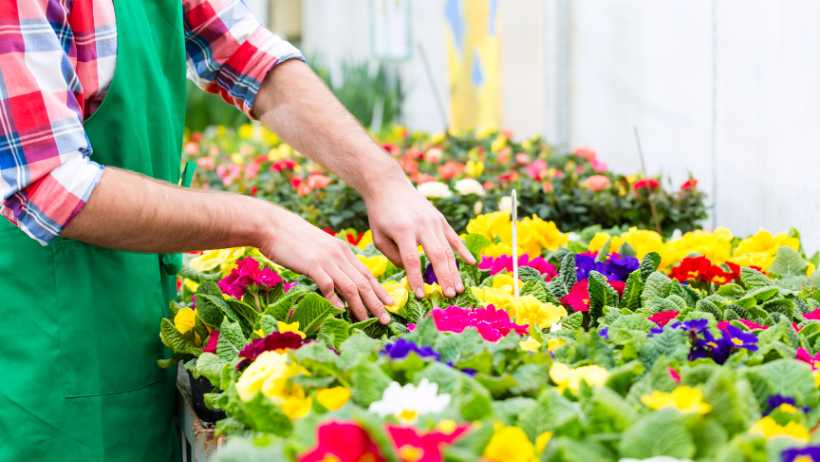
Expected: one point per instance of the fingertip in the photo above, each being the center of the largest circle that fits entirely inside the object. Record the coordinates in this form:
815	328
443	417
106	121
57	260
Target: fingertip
450	292
384	318
419	293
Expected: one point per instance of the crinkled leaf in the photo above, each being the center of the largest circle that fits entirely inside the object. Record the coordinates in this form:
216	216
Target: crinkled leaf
174	340
649	264
231	340
788	262
661	433
311	311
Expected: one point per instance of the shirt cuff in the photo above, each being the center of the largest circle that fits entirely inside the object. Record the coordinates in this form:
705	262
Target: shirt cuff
45	207
257	56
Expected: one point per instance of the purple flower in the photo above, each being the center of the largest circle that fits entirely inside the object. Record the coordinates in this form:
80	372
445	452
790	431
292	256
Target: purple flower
430	275
401	348
776	400
616	267
801	454
604	332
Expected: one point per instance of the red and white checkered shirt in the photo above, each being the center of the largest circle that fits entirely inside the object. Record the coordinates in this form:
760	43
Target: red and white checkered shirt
57	58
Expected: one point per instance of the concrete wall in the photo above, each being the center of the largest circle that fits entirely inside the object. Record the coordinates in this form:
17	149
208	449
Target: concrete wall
726	89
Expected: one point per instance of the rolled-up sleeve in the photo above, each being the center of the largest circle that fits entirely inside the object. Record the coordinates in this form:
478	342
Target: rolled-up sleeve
229	51
46	175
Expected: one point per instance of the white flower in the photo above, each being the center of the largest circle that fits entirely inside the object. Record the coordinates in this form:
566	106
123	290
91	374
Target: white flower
408	402
469	186
434	189
505	204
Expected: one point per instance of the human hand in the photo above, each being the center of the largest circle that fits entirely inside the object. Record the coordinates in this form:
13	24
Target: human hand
401	219
296	244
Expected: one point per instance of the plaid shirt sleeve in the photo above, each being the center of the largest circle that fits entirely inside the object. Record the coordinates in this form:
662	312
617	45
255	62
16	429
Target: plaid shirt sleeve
46	175
229	52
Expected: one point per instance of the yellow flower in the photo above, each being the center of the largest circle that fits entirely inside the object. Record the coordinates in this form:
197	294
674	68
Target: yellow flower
333	398
536	235
810	269
816	378
366	240
494	250
555	343
438	138
715	245
237	159
474	168
270	375
499	143
643	241
768	428
567	377
447	426
377	264
761	248
490	225
185	320
399	292
685	399
510	444
190	284
530	344
432	289
599	241
245	131
283	327
529	310
225	259
500	298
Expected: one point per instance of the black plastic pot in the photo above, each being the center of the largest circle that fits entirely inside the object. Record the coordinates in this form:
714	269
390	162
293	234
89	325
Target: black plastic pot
199	387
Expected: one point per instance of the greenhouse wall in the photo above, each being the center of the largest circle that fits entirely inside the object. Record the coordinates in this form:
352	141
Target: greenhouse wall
726	96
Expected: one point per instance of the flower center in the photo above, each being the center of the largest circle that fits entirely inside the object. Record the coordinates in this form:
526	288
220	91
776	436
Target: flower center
407	415
737	341
408	453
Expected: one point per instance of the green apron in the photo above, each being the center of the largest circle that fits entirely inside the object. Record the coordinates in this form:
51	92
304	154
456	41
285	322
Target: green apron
79	323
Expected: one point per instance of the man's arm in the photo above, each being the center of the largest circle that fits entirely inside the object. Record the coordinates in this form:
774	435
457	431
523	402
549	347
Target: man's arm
128	211
297	105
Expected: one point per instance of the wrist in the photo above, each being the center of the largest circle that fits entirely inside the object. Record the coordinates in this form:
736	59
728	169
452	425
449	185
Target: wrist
385	175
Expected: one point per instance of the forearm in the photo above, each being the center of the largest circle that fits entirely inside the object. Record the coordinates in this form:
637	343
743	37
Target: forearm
298	106
132	212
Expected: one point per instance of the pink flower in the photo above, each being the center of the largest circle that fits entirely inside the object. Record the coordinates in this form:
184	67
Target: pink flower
598	166
808	358
537	169
285	164
429	444
596	183
578	296
213	340
205	163
317	181
586	153
674	374
751	325
689	184
504	263
248	272
450	170
252	170
661	318
813	315
490	323
522	158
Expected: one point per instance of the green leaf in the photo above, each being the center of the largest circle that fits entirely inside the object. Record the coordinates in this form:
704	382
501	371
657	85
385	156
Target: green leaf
355	348
562	284
281	307
475	243
231	340
246	313
211	308
649	264
311	311
177	342
246	450
334	331
538	288
262	415
732	400
671	343
601	294
753	279
632	291
552	412
661	433
788	262
210	366
656	287
368	383
574	321
788	376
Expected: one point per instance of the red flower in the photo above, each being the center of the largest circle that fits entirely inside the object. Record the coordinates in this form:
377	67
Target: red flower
674	374
751	325
689	184
344	442
661	318
646	183
450	170
812	360
702	270
285	164
416	447
274	341
578	297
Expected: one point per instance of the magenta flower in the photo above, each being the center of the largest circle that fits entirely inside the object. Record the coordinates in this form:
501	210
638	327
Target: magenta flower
213	339
490	323
504	263
578	296
813	315
751	325
248	272
812	360
274	341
